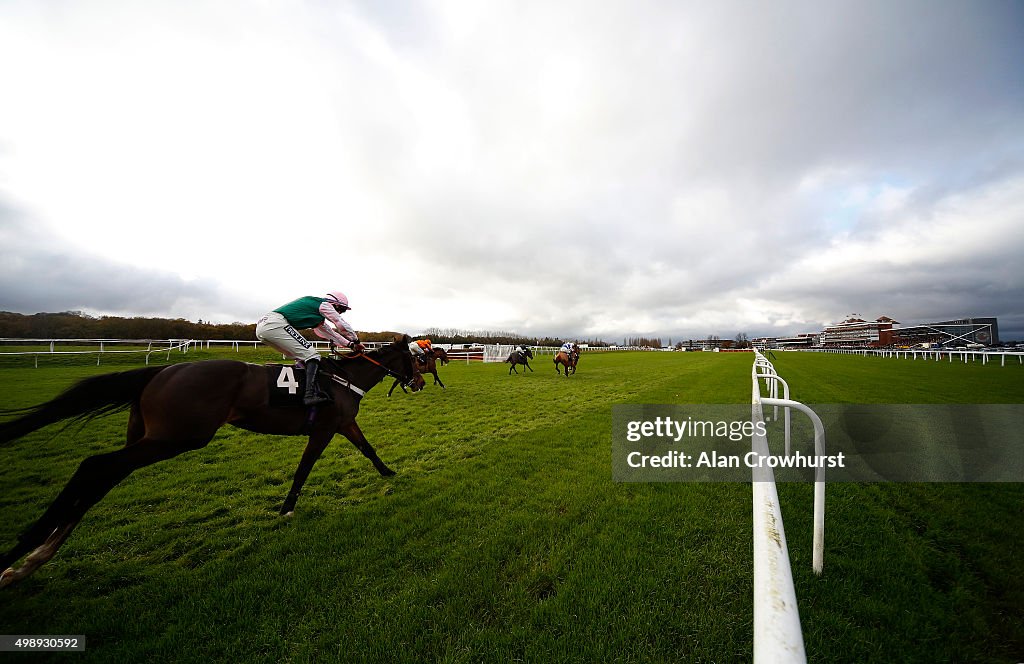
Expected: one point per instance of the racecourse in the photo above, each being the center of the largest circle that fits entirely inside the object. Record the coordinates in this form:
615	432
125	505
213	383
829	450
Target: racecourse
503	537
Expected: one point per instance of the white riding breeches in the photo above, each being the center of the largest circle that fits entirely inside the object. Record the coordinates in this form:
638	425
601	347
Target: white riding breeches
275	331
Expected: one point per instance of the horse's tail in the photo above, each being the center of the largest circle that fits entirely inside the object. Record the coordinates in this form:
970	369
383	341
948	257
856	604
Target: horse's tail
88	398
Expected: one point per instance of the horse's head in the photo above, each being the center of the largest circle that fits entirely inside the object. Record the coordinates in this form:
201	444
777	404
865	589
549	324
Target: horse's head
442	355
529	353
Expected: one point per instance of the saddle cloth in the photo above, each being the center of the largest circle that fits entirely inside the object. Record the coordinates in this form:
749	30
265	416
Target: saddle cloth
286	385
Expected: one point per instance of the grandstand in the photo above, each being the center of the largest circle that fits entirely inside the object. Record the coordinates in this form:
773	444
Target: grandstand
858	332
983	331
884	332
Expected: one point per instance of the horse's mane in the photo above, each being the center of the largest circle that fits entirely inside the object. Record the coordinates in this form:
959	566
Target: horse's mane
398	342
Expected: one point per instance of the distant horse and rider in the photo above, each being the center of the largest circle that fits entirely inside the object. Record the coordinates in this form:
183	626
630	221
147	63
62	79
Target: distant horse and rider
519	356
568	356
178	408
427	364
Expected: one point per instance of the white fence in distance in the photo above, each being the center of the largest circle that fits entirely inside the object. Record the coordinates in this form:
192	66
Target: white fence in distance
103	346
934	354
48	346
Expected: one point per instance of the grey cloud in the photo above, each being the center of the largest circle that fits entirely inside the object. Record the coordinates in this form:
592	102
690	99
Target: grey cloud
905	83
606	167
43	274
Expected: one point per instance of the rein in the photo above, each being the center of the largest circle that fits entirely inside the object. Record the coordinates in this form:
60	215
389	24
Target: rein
389	372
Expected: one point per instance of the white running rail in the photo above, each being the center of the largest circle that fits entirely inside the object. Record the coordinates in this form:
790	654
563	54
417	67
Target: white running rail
162	346
984	357
777	633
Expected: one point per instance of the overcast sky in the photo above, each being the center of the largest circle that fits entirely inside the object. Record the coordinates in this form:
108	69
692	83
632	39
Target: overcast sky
587	169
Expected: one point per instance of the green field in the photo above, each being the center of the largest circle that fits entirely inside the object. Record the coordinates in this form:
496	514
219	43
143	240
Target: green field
503	537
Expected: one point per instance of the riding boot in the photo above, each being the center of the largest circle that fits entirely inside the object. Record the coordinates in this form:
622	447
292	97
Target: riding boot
314	396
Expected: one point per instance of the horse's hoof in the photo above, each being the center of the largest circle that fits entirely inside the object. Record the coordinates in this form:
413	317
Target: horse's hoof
288	514
7	578
387	472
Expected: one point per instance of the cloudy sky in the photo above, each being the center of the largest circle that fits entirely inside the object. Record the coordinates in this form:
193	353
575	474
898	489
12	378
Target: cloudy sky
589	169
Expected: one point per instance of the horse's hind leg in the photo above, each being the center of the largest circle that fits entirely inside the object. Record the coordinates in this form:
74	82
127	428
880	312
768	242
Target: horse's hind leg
39	555
95	477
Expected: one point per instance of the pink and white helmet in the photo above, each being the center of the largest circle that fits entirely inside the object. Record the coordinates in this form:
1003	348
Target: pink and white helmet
337	297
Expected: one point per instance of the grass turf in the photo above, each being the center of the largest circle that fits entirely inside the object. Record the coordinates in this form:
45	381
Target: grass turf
503	536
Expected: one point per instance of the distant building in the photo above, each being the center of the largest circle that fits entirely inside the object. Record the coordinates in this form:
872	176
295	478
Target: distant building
883	332
805	340
984	331
858	333
709	344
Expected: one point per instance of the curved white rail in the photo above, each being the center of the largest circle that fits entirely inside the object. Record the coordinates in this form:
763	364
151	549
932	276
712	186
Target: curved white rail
777	633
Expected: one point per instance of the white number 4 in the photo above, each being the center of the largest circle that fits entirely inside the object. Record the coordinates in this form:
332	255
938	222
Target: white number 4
287	379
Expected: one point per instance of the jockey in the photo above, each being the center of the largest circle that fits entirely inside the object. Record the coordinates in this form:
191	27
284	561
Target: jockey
568	347
279	330
421	349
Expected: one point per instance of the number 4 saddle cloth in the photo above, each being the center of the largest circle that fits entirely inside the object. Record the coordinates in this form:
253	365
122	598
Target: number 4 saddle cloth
286	385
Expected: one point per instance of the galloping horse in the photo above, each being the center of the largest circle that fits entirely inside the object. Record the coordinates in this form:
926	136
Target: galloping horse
428	365
519	357
178	408
568	360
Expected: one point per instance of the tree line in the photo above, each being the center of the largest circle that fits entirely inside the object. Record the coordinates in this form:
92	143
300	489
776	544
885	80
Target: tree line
456	336
79	325
642	342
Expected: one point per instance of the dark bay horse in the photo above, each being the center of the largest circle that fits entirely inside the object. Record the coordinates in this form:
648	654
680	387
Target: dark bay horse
519	357
178	408
568	360
428	365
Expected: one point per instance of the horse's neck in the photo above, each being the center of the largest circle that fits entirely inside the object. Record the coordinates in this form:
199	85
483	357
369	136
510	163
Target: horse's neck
364	373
